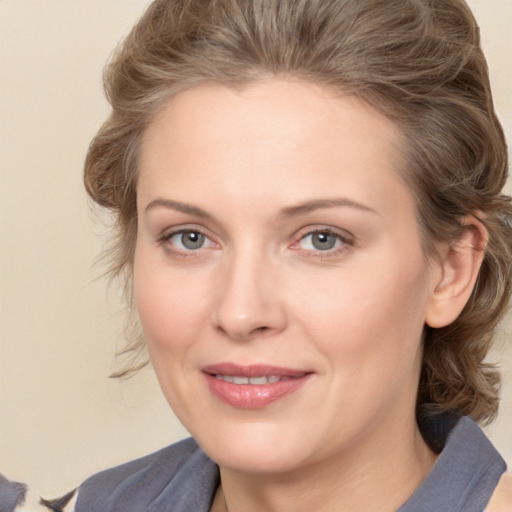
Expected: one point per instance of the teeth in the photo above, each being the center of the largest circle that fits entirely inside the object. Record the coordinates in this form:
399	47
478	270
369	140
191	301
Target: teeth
258	380
250	380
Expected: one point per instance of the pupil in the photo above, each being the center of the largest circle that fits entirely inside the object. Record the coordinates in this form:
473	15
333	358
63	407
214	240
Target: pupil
192	240
323	241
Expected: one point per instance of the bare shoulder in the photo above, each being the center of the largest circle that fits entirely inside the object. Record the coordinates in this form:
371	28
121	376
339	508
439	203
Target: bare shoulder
501	500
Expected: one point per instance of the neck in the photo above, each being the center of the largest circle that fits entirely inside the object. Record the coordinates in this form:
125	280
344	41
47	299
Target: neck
379	476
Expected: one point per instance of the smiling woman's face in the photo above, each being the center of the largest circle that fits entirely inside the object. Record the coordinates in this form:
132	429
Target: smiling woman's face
279	274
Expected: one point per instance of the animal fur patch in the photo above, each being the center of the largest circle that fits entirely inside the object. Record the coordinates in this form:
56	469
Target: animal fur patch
17	497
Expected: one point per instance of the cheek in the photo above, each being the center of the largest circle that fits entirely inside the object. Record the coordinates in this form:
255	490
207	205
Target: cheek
369	327
168	304
370	312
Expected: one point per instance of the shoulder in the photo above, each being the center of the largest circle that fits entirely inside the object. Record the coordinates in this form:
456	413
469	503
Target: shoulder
501	500
467	471
138	482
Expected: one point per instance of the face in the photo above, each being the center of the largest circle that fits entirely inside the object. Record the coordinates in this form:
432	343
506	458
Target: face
279	275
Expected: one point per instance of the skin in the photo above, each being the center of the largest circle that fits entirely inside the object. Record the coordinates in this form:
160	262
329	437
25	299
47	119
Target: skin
258	291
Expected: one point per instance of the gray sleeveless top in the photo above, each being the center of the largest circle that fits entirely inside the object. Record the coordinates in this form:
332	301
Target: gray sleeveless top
182	478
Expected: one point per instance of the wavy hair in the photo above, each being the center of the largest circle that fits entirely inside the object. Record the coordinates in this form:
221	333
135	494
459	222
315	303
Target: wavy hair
418	62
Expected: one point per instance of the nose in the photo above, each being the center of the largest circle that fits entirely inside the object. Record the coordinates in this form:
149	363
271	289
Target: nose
249	303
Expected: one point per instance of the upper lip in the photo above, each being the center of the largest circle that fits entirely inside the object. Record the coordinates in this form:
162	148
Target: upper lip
252	370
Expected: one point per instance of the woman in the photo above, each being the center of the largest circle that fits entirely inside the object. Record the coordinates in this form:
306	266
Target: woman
310	220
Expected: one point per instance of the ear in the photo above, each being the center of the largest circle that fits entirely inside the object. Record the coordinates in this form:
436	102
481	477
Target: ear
459	265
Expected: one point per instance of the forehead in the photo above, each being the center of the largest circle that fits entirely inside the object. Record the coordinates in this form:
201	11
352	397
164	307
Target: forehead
273	138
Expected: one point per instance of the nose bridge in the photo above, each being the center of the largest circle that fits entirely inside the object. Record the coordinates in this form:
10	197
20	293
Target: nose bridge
248	301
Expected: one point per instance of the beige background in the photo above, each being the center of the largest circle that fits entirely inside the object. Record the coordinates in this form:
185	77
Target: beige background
60	417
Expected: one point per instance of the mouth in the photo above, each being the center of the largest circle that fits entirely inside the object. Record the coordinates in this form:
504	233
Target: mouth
254	381
253	386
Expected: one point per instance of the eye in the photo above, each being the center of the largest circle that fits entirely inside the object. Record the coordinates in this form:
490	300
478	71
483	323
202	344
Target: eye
186	240
320	241
323	242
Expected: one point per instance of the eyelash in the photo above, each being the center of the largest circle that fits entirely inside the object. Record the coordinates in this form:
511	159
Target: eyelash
165	241
342	241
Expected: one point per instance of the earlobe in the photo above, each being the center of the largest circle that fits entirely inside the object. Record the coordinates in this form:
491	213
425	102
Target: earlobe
459	266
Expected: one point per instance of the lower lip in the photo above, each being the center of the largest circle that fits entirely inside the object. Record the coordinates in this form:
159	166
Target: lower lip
253	396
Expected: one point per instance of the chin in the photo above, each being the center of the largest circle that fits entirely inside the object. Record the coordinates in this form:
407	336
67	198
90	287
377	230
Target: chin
258	462
256	448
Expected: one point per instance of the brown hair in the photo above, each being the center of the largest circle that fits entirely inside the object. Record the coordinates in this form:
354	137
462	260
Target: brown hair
419	62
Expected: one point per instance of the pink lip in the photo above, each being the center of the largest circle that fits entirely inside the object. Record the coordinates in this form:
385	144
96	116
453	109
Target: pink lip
253	396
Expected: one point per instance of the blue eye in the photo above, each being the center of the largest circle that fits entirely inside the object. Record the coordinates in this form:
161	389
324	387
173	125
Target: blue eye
321	241
188	240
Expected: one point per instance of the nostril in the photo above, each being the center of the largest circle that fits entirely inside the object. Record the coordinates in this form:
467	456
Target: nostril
242	313
242	334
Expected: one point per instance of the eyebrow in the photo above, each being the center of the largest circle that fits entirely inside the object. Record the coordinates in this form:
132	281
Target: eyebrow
178	206
317	204
290	211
